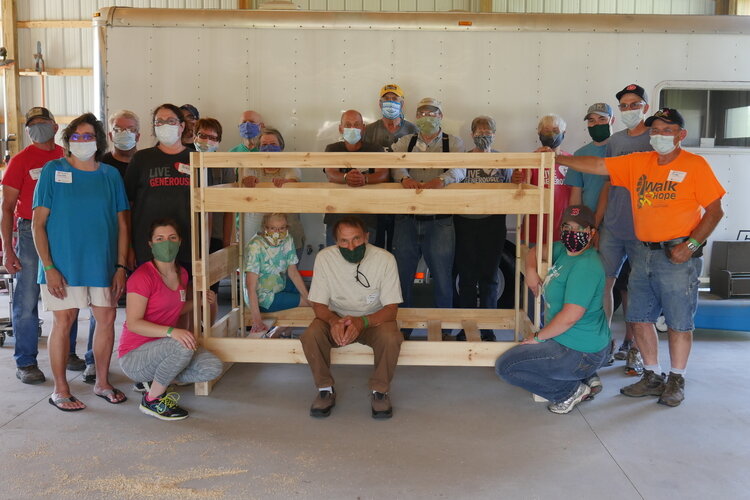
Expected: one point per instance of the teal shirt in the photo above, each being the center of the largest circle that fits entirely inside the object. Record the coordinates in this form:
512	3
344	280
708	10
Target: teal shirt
241	148
590	184
578	280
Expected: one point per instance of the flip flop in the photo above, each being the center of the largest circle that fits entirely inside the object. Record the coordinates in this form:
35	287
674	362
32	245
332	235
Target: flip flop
57	401
109	393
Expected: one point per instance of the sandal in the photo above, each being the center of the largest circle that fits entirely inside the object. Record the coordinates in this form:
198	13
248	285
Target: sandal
109	394
56	401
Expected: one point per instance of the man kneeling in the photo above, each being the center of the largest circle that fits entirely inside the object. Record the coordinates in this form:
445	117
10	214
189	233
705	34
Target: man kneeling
355	294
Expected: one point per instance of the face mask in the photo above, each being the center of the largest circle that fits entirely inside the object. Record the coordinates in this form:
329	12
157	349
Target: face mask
124	140
574	241
352	135
600	132
206	146
248	130
165	251
483	142
168	134
428	125
41	132
663	144
632	118
552	140
391	109
270	148
82	150
276	238
355	255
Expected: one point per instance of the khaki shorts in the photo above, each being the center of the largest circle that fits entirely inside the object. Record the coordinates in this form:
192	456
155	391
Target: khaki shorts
77	297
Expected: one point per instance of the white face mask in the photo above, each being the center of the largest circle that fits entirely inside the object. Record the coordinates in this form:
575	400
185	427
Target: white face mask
352	135
168	134
632	118
124	140
82	150
663	144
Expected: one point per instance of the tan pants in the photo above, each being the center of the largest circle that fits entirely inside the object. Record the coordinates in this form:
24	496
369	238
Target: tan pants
384	339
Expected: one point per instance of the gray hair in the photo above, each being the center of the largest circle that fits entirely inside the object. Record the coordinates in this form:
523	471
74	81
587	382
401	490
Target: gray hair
272	131
124	113
553	120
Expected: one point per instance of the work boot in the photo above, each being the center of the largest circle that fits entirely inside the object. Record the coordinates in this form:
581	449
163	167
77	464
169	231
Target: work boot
674	390
323	403
75	364
30	374
381	405
650	384
634	363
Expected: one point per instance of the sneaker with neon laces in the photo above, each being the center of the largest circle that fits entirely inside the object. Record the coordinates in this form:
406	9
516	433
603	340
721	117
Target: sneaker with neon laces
634	363
567	405
164	407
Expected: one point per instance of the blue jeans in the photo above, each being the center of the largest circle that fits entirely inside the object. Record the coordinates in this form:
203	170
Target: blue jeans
436	240
549	369
25	308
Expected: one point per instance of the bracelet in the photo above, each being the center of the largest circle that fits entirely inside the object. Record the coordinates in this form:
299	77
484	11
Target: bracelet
169	331
538	340
366	322
345	177
120	266
694	241
47	268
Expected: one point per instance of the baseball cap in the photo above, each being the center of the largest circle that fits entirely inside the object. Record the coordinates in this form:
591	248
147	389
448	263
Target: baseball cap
600	108
668	115
430	101
391	87
38	112
192	110
580	214
633	89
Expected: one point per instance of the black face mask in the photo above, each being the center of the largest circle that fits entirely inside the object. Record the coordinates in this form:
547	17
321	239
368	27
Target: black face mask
551	141
574	241
355	255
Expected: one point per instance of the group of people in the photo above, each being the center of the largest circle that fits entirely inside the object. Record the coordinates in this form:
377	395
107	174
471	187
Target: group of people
86	218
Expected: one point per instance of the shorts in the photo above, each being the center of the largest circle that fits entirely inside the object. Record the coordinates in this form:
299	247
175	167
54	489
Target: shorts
286	299
77	297
614	251
656	285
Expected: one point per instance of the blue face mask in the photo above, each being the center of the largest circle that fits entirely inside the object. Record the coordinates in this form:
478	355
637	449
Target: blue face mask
270	148
391	109
352	135
248	130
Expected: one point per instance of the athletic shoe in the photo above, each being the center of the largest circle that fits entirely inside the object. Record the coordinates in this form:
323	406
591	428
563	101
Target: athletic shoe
381	405
611	354
323	403
634	363
622	352
164	407
75	364
674	390
89	374
595	384
650	384
142	387
567	406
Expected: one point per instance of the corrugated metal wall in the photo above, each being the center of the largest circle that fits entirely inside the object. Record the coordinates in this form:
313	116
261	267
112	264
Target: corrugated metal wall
72	47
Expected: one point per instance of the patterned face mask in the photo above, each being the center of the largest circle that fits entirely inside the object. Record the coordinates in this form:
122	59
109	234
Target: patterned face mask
274	238
574	241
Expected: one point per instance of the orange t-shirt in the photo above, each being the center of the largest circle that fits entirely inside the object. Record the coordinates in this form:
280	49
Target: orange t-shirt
666	199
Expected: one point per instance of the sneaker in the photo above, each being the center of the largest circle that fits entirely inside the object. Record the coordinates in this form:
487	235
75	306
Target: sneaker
75	364
674	390
634	363
661	324
595	384
164	408
611	359
622	351
141	386
567	406
30	374
650	384
381	405
324	402
89	374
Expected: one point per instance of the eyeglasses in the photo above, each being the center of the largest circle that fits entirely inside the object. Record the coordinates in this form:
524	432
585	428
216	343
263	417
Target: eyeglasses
422	114
117	130
169	121
82	137
632	105
277	229
363	280
208	137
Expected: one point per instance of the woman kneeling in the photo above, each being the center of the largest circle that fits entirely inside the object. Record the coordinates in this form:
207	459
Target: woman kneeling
152	347
559	363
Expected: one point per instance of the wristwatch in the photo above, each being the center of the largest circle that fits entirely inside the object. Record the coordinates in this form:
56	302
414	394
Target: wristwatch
693	244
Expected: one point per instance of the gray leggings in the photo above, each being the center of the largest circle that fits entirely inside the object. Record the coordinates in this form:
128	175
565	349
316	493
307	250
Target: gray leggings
166	360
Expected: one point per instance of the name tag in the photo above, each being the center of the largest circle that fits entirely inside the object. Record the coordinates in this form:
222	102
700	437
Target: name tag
676	176
183	168
182	296
64	177
34	173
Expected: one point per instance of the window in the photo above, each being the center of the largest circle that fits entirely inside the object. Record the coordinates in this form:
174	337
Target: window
714	117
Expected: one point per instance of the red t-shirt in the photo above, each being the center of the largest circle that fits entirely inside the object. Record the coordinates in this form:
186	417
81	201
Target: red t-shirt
23	173
163	307
562	200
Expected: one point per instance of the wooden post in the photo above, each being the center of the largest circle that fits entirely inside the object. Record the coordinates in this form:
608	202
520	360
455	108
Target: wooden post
15	124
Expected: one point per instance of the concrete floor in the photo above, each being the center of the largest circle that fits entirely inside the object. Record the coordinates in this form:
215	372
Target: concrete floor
456	433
